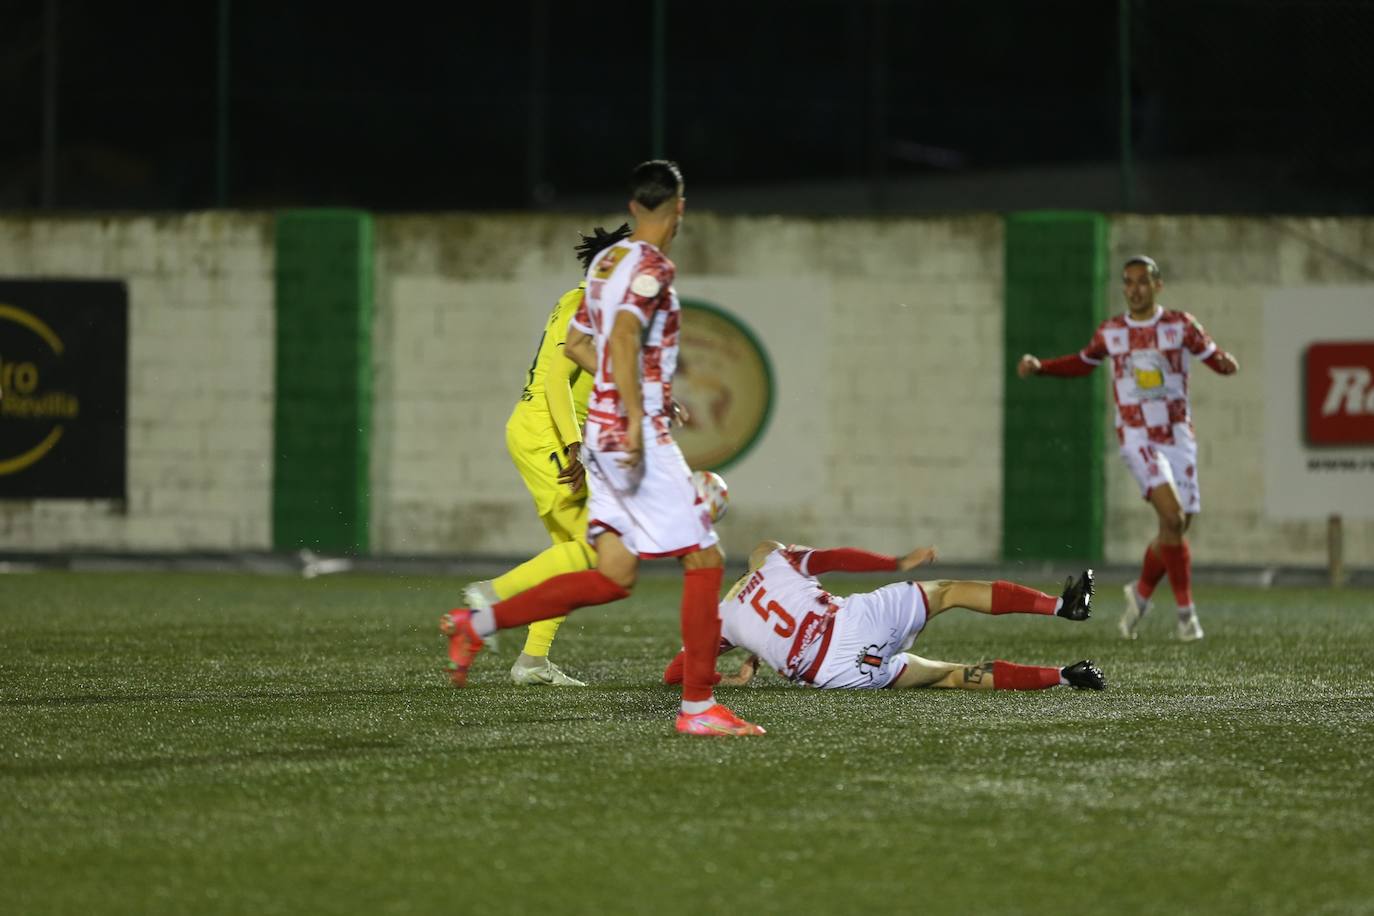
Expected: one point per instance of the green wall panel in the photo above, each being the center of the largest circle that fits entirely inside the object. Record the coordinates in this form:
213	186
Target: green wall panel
1052	433
323	419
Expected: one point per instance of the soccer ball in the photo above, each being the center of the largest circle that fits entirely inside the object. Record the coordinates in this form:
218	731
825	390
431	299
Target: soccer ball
712	493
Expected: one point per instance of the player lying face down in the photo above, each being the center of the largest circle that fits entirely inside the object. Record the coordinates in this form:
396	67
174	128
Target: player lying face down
781	614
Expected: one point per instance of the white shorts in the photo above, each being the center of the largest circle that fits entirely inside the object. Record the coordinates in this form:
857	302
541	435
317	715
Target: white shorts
1153	465
871	632
652	507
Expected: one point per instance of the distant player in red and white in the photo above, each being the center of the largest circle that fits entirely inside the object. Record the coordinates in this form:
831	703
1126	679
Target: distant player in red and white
1150	348
642	503
780	613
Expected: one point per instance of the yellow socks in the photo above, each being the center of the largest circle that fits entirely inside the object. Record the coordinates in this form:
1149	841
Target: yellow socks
540	637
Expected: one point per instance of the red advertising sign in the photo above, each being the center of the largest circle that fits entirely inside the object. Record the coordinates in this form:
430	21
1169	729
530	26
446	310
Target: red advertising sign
1340	393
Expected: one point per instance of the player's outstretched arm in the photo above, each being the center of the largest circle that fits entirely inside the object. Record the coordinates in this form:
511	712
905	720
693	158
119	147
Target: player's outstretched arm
816	562
918	557
842	559
1068	366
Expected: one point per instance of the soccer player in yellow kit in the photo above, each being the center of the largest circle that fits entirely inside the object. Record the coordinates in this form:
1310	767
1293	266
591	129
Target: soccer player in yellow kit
544	438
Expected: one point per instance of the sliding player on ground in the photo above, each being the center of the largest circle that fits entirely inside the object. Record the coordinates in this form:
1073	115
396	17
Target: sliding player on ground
780	613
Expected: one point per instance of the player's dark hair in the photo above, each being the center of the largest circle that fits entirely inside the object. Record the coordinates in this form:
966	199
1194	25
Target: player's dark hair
653	182
1145	259
597	242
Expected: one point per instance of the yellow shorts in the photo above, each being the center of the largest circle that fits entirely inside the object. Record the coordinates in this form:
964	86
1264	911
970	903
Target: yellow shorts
538	456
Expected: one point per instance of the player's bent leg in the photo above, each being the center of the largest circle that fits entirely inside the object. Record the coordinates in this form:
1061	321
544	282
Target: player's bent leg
925	672
1178	559
468	628
998	675
1002	597
1169	512
1138	594
567	557
615	561
943	594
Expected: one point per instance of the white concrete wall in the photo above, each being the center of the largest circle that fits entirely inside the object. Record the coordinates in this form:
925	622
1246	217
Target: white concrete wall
1220	270
201	331
885	337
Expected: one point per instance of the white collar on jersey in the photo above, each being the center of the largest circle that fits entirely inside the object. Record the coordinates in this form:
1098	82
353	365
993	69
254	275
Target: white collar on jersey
1132	323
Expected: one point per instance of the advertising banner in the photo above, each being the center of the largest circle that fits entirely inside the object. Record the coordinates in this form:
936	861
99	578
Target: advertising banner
63	389
1319	402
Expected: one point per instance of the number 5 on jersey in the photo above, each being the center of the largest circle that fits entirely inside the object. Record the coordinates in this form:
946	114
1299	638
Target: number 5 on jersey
786	624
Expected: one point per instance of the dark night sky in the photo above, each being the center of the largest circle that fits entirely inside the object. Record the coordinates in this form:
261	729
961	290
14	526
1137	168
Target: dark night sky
398	108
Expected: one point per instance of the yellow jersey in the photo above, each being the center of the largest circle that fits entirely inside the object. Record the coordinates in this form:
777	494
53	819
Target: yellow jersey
555	387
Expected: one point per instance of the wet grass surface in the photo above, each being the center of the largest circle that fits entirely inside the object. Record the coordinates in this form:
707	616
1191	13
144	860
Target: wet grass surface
237	744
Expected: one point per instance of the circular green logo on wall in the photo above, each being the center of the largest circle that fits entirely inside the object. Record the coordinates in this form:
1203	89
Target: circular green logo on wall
725	381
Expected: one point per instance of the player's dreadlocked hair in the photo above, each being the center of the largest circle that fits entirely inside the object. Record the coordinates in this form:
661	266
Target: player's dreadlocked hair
597	242
653	182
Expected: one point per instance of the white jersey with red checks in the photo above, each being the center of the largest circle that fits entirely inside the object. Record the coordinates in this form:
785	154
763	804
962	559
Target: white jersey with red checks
632	277
781	613
1150	373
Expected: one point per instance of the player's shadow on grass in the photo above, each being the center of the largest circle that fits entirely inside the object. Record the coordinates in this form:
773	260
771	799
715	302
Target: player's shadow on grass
98	699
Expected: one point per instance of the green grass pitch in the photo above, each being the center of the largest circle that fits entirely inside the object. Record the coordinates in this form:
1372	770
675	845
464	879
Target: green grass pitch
207	744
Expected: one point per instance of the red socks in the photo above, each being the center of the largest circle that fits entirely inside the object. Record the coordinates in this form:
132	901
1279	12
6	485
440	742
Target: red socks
1178	560
1006	676
1151	571
1010	598
556	597
700	631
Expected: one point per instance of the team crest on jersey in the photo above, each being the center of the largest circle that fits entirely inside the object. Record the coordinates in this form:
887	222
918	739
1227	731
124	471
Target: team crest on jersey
869	660
606	265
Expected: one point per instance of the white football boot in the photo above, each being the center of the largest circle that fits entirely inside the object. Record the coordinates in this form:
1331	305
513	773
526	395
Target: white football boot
545	675
1189	628
1134	613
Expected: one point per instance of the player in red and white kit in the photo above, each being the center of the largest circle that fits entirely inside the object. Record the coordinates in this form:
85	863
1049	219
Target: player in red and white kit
1150	348
642	503
781	613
